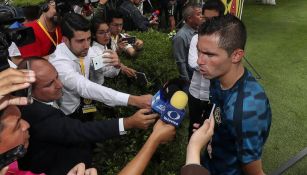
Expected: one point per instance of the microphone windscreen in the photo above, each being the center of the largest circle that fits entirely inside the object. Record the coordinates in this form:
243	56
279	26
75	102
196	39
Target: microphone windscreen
179	100
169	91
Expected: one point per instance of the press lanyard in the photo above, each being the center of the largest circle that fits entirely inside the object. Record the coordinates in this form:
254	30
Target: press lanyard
48	35
82	66
88	103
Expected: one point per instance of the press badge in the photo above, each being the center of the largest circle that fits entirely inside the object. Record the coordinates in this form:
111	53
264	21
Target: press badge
88	106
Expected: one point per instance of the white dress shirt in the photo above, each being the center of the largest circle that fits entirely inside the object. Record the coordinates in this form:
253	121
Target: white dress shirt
13	50
76	85
199	87
97	76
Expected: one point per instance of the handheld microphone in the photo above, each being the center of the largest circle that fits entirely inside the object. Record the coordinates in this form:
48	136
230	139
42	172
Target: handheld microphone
171	111
179	100
154	14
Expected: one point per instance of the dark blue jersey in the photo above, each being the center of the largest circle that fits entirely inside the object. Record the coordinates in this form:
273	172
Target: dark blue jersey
243	119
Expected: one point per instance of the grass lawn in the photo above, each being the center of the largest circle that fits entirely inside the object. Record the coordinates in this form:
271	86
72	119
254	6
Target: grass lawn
276	46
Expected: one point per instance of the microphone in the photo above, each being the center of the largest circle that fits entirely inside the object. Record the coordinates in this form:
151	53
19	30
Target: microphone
154	14
179	100
171	111
173	85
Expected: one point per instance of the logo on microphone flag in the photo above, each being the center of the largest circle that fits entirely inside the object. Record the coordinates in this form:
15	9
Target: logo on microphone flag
168	113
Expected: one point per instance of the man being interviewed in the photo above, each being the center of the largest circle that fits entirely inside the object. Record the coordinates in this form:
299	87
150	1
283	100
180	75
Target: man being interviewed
243	113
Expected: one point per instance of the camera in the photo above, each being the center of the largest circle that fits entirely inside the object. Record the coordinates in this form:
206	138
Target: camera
130	39
68	6
12	155
20	36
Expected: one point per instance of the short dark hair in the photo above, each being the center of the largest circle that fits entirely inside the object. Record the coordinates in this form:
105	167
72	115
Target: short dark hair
230	30
214	5
72	22
114	14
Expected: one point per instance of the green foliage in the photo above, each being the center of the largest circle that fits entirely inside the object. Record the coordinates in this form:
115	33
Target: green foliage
156	61
276	47
27	2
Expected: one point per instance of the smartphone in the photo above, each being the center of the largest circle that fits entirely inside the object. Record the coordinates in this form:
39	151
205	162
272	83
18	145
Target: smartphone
130	39
98	61
12	155
141	78
205	115
29	90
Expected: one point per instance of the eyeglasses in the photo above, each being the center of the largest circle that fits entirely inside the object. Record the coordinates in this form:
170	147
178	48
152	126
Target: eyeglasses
101	32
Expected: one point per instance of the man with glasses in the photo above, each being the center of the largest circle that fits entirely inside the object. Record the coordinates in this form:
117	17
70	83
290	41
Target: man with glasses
47	33
116	22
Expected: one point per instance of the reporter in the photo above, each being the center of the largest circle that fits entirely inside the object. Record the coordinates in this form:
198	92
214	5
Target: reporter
161	134
57	141
72	64
12	80
14	132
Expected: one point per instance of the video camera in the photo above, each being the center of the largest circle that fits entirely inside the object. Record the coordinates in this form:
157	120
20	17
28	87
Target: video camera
68	6
20	36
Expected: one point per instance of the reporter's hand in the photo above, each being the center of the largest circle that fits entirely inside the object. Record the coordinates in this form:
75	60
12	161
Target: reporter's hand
12	80
198	140
140	119
163	132
79	169
138	44
4	170
122	44
202	135
128	71
112	59
154	21
143	101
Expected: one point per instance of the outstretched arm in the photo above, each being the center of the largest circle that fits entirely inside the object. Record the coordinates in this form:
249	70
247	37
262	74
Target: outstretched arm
198	140
162	133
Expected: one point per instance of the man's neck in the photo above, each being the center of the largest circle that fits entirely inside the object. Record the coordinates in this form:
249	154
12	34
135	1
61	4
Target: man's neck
231	77
47	23
192	26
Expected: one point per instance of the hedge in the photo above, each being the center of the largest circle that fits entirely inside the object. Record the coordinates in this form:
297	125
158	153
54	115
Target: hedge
27	2
157	62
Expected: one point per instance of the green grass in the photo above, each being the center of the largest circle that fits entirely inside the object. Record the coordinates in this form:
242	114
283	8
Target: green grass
276	46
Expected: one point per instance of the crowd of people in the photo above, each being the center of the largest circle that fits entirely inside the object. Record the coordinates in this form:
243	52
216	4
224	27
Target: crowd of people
229	112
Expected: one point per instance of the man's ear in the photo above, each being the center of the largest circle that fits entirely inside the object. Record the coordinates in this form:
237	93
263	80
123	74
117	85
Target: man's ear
237	56
65	40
